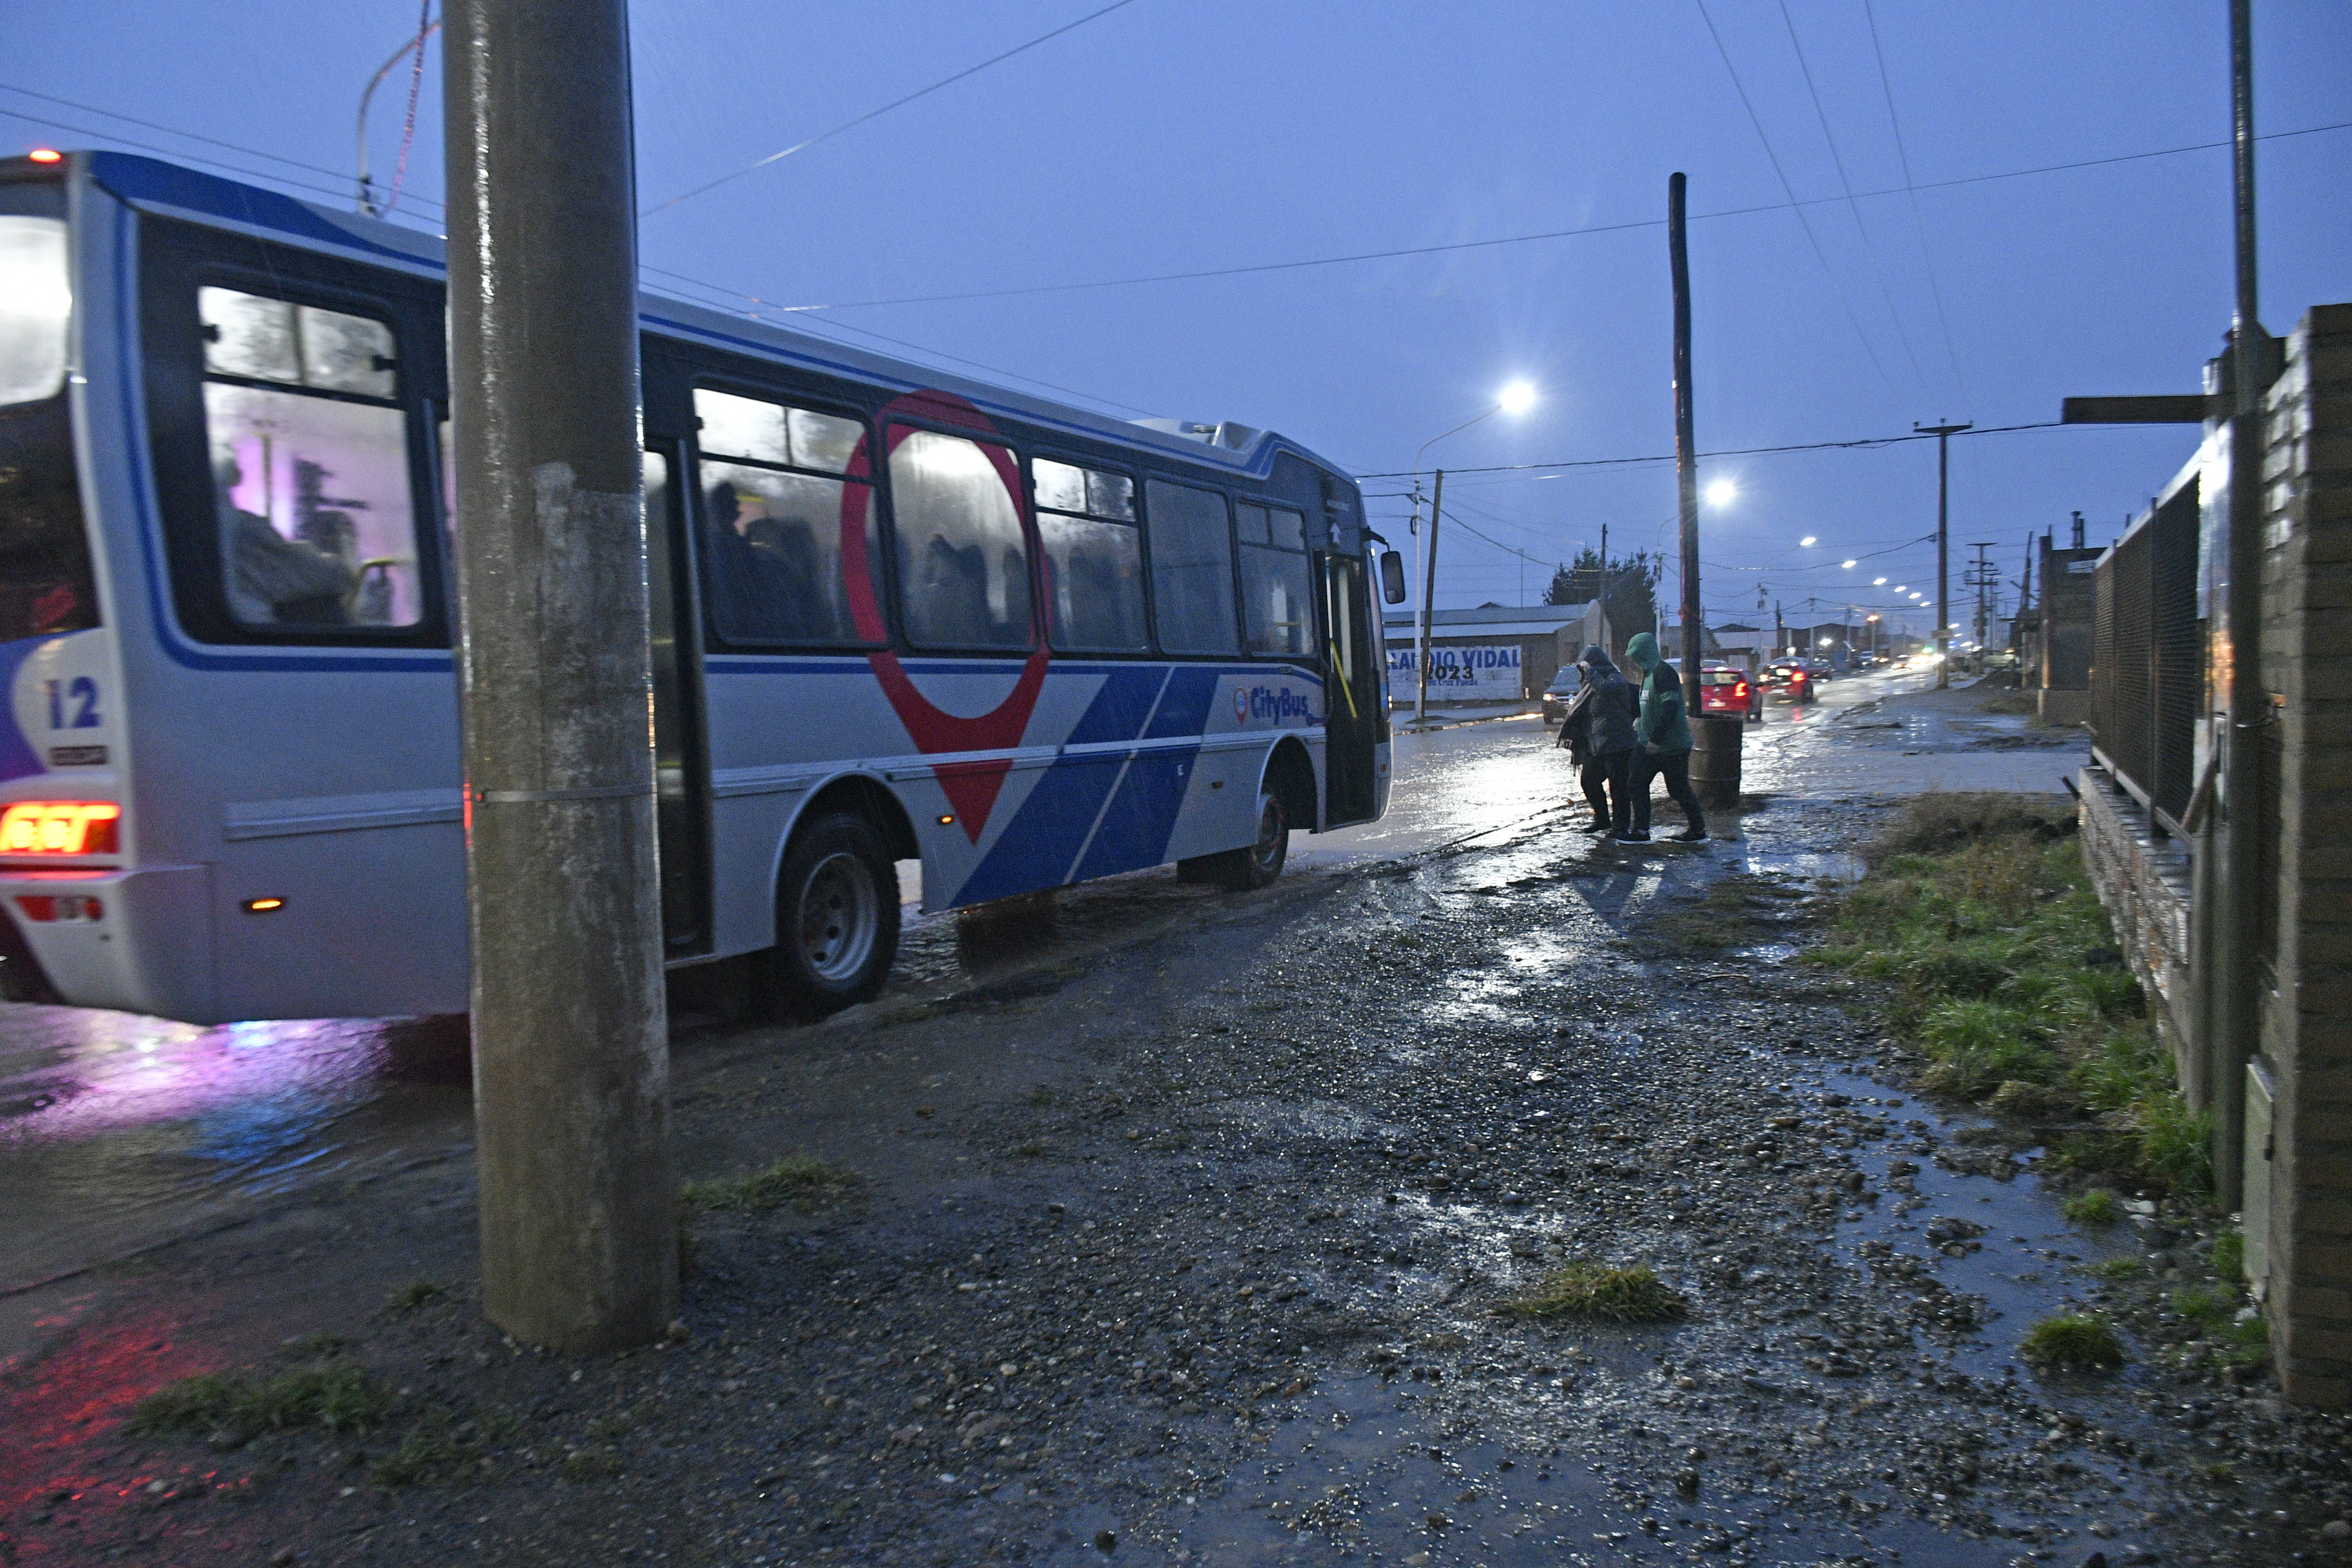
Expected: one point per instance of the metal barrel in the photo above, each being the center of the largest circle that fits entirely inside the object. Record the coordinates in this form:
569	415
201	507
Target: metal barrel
1715	759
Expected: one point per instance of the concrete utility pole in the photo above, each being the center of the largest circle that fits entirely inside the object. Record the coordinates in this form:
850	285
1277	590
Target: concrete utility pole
1428	598
1942	435
1685	445
579	1207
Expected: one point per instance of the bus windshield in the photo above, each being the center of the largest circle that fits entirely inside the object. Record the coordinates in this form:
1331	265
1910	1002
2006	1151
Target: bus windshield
45	582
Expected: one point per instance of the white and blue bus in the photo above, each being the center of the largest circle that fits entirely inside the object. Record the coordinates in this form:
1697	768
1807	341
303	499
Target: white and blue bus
896	616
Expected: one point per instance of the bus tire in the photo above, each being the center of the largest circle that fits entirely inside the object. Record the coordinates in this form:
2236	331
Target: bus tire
836	916
1253	866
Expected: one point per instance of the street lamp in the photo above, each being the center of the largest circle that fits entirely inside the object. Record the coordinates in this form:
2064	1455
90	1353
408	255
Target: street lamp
1806	542
1878	582
1847	564
1515	397
1720	491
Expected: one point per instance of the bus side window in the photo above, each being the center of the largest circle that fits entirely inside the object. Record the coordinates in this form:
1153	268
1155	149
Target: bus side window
963	565
1191	568
786	528
1093	561
309	464
1275	589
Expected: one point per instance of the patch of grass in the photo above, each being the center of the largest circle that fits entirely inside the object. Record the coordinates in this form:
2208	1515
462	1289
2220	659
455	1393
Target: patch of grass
2205	1305
2116	1268
1033	1150
801	1180
2099	1206
2072	1342
311	1347
438	1451
1944	820
1737	910
1042	1096
417	1293
330	1397
2230	1257
1598	1291
1998	958
2009	703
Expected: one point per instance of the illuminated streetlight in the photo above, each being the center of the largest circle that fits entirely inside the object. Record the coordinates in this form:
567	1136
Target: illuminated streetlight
1847	564
1806	542
1878	582
1900	587
1517	397
1720	491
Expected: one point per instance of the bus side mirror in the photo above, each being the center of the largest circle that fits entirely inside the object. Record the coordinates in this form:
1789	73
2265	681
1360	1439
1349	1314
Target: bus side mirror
1391	577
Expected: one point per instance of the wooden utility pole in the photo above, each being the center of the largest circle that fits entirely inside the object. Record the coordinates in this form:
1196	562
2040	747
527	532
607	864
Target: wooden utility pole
579	1207
2246	904
1942	435
1685	443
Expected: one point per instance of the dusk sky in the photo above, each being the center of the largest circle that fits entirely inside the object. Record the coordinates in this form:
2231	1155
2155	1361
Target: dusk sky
1211	135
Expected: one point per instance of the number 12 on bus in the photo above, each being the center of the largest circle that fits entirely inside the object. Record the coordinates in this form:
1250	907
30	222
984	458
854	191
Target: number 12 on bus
896	616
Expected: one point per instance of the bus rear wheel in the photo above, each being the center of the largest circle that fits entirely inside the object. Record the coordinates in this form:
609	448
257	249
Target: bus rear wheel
1253	866
836	916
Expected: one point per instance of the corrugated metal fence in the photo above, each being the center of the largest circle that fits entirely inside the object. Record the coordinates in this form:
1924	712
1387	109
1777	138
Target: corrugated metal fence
2148	662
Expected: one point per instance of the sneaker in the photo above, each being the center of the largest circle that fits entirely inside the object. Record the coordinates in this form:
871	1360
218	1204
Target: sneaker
1599	827
1630	837
1689	835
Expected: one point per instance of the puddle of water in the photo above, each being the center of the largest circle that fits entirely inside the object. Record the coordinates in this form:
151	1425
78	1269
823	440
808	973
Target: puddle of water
1375	1468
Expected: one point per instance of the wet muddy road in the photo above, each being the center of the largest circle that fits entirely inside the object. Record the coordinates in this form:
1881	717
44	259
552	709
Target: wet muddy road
1174	1230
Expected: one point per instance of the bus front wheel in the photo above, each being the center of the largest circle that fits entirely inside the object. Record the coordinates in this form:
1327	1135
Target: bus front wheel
836	916
1253	866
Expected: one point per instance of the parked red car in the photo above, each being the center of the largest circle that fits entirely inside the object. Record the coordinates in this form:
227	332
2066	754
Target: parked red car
1726	689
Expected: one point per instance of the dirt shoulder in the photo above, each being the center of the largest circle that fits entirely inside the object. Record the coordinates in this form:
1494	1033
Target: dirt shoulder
1192	1247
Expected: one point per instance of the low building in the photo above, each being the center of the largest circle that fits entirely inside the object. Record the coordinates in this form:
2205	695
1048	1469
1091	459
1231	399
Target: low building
1494	653
2058	653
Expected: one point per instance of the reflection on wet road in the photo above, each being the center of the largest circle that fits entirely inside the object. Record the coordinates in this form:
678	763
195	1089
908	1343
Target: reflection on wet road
116	1130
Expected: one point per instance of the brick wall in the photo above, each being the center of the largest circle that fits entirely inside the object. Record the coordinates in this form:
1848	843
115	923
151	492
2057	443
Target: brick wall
2143	881
2307	1044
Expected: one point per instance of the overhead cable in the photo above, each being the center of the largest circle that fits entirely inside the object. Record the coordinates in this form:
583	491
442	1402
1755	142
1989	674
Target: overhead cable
1399	252
1790	191
803	146
1837	162
1859	442
1911	189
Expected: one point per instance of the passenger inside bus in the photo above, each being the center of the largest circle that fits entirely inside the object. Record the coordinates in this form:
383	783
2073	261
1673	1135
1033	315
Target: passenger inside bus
271	579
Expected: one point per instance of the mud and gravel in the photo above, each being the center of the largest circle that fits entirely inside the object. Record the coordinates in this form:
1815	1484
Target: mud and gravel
1180	1232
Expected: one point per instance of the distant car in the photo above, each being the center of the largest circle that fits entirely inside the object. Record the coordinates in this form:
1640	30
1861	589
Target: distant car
1726	689
1790	678
1561	693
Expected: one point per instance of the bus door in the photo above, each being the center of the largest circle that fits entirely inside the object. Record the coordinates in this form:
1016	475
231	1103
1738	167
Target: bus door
1351	691
681	765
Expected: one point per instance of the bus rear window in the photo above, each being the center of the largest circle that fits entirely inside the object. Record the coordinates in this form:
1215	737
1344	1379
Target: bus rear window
47	586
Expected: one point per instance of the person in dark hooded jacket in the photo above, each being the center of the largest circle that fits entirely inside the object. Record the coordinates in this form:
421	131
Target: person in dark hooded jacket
1599	733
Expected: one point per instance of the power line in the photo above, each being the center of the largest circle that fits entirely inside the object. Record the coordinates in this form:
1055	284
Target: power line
1401	252
167	130
1911	189
1838	163
1790	191
877	113
1861	442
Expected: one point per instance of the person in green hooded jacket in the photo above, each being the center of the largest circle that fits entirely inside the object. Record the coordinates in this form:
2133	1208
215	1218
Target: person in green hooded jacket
1662	736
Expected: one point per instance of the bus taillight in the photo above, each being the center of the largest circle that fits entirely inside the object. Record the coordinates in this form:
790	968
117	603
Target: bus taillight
59	827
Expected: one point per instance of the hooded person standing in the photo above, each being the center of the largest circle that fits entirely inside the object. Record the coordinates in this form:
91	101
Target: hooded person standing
1599	735
1663	735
